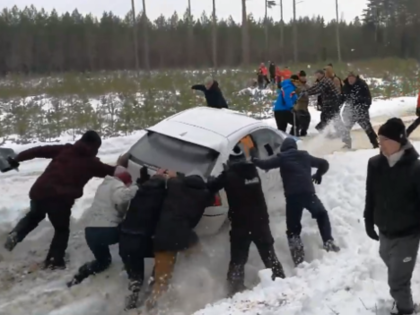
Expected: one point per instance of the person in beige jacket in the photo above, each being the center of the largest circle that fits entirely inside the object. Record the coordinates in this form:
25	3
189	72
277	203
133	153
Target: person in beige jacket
303	117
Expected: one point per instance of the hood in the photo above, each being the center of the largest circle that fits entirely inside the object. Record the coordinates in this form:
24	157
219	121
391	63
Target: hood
215	85
288	144
86	149
287	83
346	81
244	169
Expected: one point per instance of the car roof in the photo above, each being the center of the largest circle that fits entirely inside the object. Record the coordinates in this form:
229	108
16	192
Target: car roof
208	127
224	122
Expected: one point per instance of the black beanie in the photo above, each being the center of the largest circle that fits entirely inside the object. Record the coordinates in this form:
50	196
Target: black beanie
237	154
302	73
394	129
91	137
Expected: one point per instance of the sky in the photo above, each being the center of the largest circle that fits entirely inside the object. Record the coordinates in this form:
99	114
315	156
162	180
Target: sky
348	9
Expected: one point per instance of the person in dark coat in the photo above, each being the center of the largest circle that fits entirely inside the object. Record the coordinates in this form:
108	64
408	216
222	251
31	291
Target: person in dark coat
296	172
303	117
186	198
416	122
138	228
249	218
212	93
392	204
330	95
55	191
272	71
358	99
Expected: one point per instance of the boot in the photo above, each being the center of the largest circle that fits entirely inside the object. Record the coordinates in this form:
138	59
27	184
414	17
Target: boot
11	241
54	264
132	299
296	249
330	246
236	279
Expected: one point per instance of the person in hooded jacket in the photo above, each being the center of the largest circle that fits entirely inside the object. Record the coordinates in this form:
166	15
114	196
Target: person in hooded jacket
272	71
249	218
55	191
283	106
358	99
416	122
187	196
104	217
392	204
212	93
296	172
138	228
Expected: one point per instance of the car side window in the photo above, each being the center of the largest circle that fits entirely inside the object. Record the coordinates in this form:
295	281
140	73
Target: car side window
246	144
268	142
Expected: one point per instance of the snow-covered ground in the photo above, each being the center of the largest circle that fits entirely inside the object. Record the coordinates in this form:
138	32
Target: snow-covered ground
350	282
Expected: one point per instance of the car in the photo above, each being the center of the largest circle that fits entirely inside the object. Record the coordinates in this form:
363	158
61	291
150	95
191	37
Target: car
4	154
200	139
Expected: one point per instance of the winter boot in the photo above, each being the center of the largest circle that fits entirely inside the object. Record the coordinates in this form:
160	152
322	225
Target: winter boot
132	299
235	279
55	264
84	272
330	246
296	249
11	241
396	311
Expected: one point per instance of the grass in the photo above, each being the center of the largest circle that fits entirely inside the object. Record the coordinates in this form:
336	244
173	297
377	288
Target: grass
33	108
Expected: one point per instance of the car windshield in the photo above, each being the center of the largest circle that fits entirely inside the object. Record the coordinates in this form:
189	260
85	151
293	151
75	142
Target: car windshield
160	151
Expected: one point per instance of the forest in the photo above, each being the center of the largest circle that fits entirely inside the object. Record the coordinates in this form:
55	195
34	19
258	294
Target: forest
33	41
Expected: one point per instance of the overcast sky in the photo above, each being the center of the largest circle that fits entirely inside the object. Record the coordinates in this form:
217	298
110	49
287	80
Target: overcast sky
349	9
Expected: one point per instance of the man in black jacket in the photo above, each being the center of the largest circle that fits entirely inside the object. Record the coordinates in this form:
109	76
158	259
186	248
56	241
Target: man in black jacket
296	172
393	205
138	228
212	93
249	218
356	109
184	205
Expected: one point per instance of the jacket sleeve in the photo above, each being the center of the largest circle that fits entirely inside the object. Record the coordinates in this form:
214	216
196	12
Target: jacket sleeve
367	96
418	101
46	152
369	199
315	89
122	194
100	169
215	184
267	164
198	87
321	164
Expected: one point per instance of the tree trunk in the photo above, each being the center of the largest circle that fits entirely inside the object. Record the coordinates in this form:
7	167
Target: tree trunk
266	29
135	41
245	35
295	47
214	44
190	36
337	32
281	32
146	38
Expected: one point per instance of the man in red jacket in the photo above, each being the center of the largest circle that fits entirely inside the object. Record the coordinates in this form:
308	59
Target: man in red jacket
55	191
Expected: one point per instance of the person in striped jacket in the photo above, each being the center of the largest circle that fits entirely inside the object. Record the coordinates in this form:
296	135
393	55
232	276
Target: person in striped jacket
415	123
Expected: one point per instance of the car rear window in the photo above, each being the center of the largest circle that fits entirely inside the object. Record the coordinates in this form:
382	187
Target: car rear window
160	151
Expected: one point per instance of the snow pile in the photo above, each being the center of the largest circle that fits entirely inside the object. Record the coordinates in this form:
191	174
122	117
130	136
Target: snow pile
350	282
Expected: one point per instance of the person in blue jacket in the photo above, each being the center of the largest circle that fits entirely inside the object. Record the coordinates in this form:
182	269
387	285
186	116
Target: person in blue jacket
283	106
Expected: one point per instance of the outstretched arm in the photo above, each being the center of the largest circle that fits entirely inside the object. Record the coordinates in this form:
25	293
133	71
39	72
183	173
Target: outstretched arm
46	152
267	164
198	87
214	184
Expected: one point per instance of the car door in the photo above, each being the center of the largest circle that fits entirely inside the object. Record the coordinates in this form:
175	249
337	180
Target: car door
268	143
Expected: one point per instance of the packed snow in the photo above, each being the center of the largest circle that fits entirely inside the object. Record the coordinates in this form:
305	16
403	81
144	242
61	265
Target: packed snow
353	281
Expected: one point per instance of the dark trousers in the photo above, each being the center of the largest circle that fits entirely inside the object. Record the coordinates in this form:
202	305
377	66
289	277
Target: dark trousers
399	255
303	119
413	126
294	210
360	115
240	243
283	118
98	239
59	213
327	115
267	81
133	250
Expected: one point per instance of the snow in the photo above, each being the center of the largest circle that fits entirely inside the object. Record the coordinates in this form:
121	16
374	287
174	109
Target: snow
353	281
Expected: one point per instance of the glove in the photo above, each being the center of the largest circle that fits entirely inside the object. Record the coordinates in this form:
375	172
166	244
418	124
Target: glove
13	163
316	178
370	230
418	111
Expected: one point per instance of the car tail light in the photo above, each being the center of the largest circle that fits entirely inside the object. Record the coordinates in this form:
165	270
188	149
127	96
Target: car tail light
217	201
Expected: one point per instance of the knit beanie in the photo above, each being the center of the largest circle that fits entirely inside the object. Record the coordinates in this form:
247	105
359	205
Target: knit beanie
302	73
91	137
237	154
125	177
394	129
